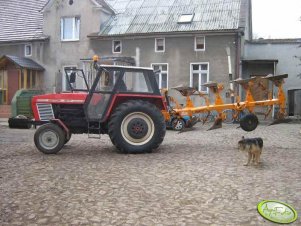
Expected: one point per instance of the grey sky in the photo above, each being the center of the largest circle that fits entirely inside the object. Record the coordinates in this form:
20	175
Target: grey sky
276	18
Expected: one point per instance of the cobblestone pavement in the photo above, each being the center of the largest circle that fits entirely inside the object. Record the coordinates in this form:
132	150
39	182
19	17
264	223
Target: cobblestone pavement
195	178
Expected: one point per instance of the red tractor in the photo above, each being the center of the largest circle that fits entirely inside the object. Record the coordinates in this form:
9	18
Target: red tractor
123	102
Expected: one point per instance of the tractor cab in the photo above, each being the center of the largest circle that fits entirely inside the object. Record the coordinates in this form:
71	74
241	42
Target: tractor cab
115	84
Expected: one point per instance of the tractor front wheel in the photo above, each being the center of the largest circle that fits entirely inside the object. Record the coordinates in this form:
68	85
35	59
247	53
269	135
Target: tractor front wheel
49	138
137	126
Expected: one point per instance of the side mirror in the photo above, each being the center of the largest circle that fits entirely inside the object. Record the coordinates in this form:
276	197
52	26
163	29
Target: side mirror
72	77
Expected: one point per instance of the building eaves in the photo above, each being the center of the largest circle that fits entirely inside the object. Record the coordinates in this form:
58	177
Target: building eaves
259	61
23	62
96	35
275	41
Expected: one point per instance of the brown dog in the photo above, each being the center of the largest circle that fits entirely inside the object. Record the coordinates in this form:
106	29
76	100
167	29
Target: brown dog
254	148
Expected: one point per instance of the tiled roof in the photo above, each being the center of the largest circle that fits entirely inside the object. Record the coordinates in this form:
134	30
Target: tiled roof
21	20
23	62
159	16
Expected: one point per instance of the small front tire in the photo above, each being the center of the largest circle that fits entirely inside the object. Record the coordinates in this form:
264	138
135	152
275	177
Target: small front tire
49	138
178	124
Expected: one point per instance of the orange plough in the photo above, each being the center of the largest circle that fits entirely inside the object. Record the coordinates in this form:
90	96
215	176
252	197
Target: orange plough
249	122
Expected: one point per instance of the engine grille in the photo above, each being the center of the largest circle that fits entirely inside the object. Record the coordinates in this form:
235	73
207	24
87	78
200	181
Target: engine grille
45	111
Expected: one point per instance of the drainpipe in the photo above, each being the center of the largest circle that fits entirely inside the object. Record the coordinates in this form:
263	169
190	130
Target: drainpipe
137	57
230	73
273	110
238	57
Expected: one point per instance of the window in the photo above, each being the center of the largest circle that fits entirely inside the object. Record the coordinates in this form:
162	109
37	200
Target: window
136	82
31	80
162	76
28	50
28	79
3	87
185	18
117	46
70	28
69	69
159	44
106	81
199	74
199	43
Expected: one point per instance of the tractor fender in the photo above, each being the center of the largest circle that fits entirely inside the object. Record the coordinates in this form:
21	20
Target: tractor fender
118	99
62	125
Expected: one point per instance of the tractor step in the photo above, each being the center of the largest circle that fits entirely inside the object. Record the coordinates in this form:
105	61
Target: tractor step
92	129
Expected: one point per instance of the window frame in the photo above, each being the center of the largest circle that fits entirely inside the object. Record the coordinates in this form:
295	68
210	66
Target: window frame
4	85
185	18
73	39
195	44
156	42
113	49
160	74
26	45
199	72
64	82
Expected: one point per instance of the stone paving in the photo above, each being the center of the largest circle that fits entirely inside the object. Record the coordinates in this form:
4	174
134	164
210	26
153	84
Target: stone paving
194	178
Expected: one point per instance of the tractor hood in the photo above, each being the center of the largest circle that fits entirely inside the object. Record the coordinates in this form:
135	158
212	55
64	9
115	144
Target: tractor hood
57	98
42	104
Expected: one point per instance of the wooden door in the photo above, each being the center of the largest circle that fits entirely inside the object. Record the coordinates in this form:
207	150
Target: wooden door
13	83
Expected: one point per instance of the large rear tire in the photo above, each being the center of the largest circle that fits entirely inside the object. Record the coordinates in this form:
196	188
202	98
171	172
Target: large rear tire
49	138
137	126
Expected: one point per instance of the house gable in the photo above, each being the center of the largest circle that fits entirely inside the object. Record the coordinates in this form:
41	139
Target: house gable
101	4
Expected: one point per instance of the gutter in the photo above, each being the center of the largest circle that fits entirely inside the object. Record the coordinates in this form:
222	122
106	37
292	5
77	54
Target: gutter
165	34
24	41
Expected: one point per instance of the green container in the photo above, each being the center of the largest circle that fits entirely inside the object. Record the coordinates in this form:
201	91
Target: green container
21	102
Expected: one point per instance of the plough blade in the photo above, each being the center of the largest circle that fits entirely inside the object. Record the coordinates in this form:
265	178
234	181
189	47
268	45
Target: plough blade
279	121
217	124
186	129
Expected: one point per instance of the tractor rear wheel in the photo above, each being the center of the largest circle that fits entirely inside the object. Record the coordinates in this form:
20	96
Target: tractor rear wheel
137	126
49	138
